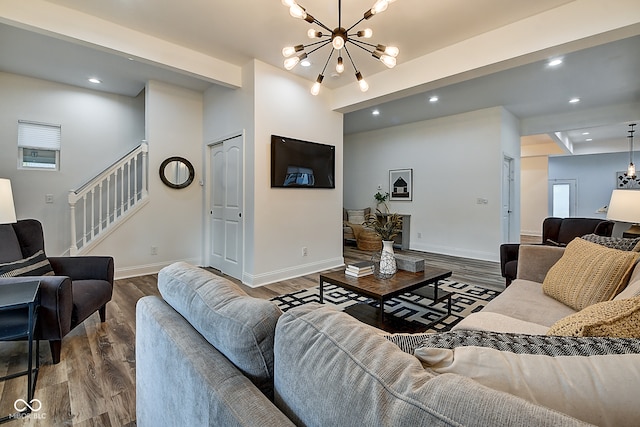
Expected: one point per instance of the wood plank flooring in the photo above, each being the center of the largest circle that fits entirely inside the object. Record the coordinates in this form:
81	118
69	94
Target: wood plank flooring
94	383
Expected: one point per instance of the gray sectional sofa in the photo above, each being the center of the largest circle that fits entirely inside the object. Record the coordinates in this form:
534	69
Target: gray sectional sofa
209	355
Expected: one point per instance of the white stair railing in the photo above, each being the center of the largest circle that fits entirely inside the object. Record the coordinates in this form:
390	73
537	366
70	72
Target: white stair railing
102	203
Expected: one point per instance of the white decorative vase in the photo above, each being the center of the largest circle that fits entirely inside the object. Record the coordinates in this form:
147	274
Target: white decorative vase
387	259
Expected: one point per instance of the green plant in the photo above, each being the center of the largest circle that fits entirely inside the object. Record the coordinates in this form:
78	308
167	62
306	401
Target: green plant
387	226
382	198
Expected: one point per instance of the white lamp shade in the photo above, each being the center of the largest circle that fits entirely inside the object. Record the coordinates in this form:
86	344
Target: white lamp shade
624	206
7	208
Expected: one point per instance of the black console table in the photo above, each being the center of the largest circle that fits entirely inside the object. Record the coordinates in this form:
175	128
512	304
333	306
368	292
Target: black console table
19	304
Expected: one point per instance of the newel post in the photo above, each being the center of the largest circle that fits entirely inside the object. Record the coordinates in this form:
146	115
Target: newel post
73	250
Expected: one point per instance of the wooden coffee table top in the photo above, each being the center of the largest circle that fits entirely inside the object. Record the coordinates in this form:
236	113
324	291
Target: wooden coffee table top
383	289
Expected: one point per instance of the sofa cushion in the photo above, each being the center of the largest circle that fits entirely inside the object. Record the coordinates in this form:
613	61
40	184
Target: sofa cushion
331	370
588	273
496	322
633	288
239	326
581	377
621	243
619	319
35	265
524	300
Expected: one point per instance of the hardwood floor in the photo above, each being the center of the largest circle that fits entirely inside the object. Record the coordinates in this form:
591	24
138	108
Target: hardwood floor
94	383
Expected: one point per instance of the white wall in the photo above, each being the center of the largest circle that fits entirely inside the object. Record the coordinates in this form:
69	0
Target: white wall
172	220
279	222
97	129
534	189
455	161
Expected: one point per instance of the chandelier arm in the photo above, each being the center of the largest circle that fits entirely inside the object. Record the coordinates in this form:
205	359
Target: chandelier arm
324	43
327	63
360	41
351	27
315	21
350	59
363	48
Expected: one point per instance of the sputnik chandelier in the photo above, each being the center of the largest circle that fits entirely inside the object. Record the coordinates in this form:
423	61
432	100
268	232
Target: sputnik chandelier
338	38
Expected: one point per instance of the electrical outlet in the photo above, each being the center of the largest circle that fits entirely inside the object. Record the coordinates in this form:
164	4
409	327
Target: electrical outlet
154	250
304	251
419	235
48	198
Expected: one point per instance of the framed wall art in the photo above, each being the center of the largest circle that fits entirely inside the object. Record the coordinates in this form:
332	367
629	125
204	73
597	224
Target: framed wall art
401	184
623	181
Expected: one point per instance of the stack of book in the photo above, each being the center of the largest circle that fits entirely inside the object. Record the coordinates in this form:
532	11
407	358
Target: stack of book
359	269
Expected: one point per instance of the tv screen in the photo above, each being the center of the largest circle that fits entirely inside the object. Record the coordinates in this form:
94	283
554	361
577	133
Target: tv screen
301	164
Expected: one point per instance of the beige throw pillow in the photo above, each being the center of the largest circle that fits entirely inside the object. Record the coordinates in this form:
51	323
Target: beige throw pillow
356	216
588	273
617	319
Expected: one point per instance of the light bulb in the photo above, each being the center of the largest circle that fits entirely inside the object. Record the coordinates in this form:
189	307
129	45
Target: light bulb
337	42
392	51
340	65
290	50
367	33
313	34
297	11
387	60
288	3
631	171
364	86
315	89
379	6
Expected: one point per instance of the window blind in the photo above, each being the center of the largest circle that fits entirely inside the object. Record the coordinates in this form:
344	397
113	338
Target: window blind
38	135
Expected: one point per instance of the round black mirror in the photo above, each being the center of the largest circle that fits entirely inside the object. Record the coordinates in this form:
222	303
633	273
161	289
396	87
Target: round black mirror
177	172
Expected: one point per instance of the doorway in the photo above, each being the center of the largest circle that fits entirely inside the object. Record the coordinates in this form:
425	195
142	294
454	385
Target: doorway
562	194
226	231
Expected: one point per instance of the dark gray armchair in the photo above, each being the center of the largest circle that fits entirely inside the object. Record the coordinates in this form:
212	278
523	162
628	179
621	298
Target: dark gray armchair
79	287
555	232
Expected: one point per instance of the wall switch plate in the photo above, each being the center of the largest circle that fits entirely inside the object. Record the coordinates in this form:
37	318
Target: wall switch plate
48	198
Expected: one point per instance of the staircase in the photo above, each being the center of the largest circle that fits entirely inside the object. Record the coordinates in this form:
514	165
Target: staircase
102	204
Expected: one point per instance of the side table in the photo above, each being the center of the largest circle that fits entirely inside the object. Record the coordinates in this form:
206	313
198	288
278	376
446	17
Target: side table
19	304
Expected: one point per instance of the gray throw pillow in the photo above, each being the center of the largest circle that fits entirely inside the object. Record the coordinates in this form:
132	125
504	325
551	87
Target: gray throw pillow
237	325
620	243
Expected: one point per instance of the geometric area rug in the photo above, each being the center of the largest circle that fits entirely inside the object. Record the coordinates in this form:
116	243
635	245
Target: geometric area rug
466	299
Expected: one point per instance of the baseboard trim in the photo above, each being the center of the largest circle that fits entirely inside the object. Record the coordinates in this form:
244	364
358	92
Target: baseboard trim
144	270
257	280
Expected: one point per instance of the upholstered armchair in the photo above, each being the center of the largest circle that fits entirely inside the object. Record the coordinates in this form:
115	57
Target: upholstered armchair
555	232
71	288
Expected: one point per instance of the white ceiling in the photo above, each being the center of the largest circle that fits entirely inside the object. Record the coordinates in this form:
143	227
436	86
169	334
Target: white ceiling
237	31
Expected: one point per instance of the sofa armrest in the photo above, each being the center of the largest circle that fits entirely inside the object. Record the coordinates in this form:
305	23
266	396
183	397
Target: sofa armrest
535	260
84	267
56	304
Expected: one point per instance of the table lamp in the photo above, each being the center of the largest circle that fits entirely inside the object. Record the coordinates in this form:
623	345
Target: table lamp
625	207
7	209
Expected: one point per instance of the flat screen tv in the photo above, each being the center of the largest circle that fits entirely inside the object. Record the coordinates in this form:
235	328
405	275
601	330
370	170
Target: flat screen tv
302	164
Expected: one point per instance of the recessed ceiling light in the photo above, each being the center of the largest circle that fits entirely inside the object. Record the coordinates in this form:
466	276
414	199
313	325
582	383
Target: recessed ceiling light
589	139
554	62
574	100
375	112
305	63
434	98
585	133
95	81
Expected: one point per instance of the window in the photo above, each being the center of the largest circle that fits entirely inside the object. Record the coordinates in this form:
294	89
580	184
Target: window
38	145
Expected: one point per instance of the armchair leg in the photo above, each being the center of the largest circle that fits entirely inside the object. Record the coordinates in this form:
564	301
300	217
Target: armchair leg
103	313
56	347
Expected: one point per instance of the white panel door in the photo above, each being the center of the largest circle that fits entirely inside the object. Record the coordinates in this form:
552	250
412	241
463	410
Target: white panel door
226	207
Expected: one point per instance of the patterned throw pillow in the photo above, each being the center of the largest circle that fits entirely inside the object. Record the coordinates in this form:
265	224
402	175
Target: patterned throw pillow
356	216
621	243
588	273
618	319
579	376
35	265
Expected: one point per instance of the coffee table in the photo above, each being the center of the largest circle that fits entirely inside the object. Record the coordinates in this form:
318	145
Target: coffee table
423	283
